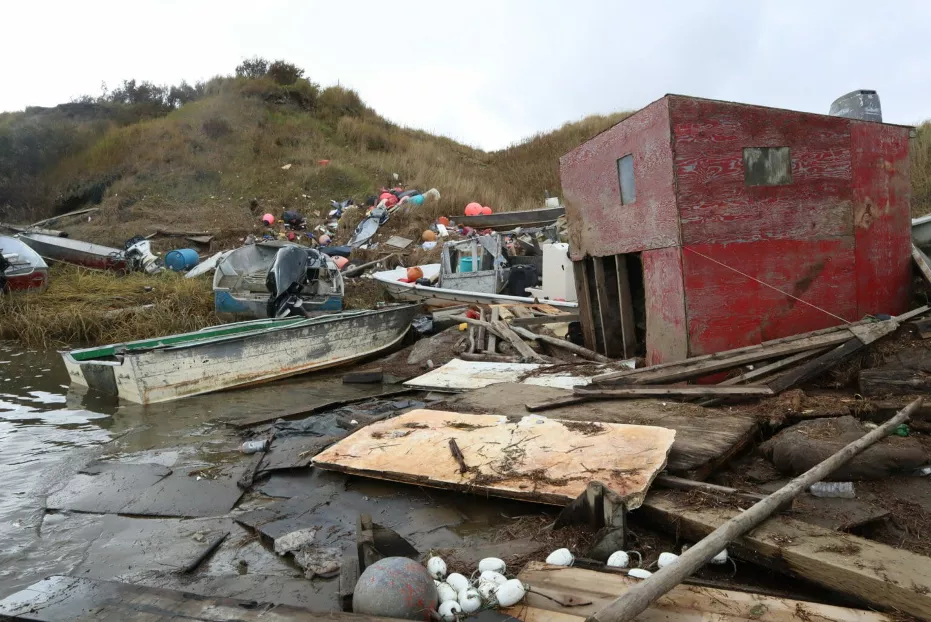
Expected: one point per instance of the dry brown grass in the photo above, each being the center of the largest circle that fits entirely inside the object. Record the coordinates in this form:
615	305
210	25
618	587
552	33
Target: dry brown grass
85	307
920	167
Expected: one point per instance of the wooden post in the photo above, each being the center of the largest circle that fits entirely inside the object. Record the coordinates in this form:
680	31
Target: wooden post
585	353
492	339
583	294
636	600
609	310
628	321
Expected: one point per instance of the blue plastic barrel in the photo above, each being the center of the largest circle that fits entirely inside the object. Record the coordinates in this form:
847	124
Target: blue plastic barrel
182	259
465	264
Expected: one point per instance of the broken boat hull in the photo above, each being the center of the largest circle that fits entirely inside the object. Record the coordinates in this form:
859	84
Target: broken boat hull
28	271
76	252
440	297
235	355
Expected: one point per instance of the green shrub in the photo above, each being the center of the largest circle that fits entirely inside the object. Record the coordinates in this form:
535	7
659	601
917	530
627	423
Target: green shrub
284	73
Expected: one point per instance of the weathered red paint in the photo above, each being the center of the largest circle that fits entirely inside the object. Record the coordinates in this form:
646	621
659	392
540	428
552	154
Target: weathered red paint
837	236
24	282
589	177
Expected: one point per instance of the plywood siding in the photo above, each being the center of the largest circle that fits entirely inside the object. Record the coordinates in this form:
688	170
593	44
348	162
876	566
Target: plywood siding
667	332
729	310
715	203
881	216
599	225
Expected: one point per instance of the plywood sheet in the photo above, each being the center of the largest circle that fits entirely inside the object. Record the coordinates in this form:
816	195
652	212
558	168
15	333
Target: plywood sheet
683	603
459	375
667	334
533	458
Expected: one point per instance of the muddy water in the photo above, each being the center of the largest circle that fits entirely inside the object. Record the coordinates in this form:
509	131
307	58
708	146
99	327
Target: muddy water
48	431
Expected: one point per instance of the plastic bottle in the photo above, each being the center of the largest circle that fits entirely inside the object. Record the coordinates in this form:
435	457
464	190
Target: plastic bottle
843	490
252	447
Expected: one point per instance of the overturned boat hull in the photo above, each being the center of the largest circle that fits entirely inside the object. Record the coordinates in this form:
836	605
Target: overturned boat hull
27	270
85	254
235	355
440	297
505	221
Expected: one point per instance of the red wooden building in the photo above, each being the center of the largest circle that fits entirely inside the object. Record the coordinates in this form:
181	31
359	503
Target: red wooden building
698	226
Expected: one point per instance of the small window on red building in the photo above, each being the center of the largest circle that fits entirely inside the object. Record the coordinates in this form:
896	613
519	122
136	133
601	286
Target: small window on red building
625	177
767	166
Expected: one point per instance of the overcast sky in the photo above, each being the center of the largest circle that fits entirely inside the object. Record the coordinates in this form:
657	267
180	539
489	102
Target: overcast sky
487	73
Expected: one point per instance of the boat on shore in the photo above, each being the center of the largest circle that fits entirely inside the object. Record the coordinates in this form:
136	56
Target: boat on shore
94	256
505	221
394	282
235	355
240	281
23	268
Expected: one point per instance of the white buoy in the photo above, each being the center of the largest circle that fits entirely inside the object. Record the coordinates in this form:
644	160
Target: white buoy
510	593
560	557
444	592
436	567
495	577
666	558
457	581
470	600
720	558
639	573
618	559
486	589
448	610
492	563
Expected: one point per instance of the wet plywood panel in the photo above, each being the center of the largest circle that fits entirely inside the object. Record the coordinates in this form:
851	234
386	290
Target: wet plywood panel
186	495
459	375
705	438
534	458
83	600
106	487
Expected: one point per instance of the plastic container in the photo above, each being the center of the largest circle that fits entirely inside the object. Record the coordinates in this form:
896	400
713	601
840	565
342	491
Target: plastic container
252	447
465	264
182	259
842	490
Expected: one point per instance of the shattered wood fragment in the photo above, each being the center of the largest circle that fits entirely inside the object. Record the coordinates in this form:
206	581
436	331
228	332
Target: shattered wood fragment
544	319
492	339
488	357
921	260
672	482
457	454
585	353
602	512
522	348
893	381
195	563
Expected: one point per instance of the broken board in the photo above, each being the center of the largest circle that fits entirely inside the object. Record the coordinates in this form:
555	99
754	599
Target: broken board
533	459
684	603
869	571
83	600
459	375
705	438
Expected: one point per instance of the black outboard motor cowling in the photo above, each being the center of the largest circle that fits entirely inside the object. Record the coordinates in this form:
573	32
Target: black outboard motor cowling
294	267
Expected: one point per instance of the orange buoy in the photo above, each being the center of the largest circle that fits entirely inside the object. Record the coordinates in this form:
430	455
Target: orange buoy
324	239
429	236
443	220
486	211
340	261
473	209
414	273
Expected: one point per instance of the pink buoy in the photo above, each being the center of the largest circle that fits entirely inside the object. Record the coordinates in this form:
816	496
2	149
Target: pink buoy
268	219
473	209
340	262
486	211
324	239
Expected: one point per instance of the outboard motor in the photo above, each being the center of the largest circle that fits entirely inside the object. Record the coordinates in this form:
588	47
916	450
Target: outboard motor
293	269
862	105
139	254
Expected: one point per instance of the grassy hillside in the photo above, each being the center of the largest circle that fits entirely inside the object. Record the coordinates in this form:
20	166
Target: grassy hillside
215	162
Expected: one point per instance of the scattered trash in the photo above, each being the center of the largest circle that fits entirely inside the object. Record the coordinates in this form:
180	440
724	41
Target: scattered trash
842	490
182	259
286	167
251	447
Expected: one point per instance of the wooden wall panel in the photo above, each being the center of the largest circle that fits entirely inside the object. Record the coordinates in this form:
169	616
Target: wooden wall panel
599	225
881	217
715	203
728	310
667	332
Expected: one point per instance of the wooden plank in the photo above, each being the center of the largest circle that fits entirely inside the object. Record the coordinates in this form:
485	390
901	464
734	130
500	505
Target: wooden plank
819	365
86	600
583	294
522	348
921	260
75	213
609	309
533	461
492	338
545	319
685	603
867	570
726	354
765	370
585	353
626	305
704	439
672	482
691	391
894	381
